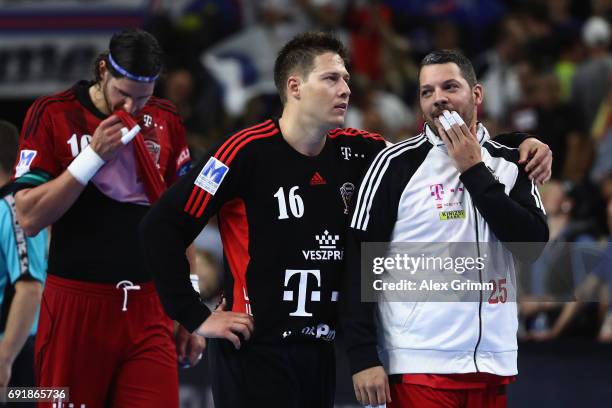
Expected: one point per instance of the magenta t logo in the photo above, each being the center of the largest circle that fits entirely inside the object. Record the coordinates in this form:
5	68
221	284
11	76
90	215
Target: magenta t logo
437	190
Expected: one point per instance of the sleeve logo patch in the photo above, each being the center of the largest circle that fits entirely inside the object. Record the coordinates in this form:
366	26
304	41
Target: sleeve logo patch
26	157
212	175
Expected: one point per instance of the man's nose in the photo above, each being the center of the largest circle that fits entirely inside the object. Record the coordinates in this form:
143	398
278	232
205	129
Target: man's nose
128	105
345	90
440	99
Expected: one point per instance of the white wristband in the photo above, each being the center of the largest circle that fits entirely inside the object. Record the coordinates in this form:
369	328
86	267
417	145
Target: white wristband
85	165
195	279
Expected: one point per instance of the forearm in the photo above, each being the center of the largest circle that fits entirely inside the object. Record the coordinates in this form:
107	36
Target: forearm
41	206
20	319
513	139
357	317
164	248
508	219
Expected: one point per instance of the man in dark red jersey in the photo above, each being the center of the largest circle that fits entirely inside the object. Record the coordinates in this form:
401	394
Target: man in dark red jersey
281	190
103	332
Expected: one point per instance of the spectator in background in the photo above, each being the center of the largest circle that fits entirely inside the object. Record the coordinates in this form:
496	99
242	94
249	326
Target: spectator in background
571	54
604	272
543	113
23	267
592	79
593	282
561	272
243	63
498	69
601	136
195	95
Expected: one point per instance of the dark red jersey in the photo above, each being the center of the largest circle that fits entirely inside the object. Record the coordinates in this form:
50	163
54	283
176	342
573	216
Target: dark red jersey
95	240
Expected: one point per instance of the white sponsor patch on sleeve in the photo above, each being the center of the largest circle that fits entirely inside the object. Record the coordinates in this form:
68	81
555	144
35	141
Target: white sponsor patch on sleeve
26	157
212	175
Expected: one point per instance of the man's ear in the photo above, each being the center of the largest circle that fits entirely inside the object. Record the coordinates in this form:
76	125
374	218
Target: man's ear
102	68
293	87
478	92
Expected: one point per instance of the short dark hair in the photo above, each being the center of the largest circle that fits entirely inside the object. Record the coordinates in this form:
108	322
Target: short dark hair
300	52
9	140
446	56
134	50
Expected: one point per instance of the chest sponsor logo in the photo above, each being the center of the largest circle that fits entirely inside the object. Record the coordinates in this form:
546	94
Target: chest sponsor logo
452	215
326	251
305	291
347	153
211	176
346	192
437	191
438	194
147	120
26	157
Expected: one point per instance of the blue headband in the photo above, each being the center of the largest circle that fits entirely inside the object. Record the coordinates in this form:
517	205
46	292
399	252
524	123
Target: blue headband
126	74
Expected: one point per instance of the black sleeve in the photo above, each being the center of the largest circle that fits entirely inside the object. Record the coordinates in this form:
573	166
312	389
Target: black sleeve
171	226
518	217
513	139
367	224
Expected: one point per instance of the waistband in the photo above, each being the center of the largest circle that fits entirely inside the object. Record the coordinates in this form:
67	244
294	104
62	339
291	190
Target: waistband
108	290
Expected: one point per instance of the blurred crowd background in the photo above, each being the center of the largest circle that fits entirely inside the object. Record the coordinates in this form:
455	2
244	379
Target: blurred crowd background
546	67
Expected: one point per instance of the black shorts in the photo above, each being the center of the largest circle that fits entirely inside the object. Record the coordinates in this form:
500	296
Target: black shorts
273	375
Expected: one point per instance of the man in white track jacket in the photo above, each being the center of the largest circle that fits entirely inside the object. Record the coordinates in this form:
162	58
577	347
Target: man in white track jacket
451	183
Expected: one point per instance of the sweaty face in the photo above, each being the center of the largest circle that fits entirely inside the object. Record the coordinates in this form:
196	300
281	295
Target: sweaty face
123	93
442	87
324	93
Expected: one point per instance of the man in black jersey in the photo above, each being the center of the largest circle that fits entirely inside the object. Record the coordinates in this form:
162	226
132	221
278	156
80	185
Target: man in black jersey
281	190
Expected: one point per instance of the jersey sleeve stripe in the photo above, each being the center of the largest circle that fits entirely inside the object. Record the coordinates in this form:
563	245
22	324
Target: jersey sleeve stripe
241	136
373	177
203	207
191	197
230	141
39	108
228	160
198	200
231	147
536	195
499	145
235	151
250	139
365	188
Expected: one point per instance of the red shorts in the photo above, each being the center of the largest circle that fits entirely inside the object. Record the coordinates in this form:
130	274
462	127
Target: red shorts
450	391
107	357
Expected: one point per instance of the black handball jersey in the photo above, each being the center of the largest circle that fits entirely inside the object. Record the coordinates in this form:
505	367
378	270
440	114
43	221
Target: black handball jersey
282	217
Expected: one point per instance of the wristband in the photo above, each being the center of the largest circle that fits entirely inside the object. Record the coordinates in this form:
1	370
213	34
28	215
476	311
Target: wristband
86	165
195	279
